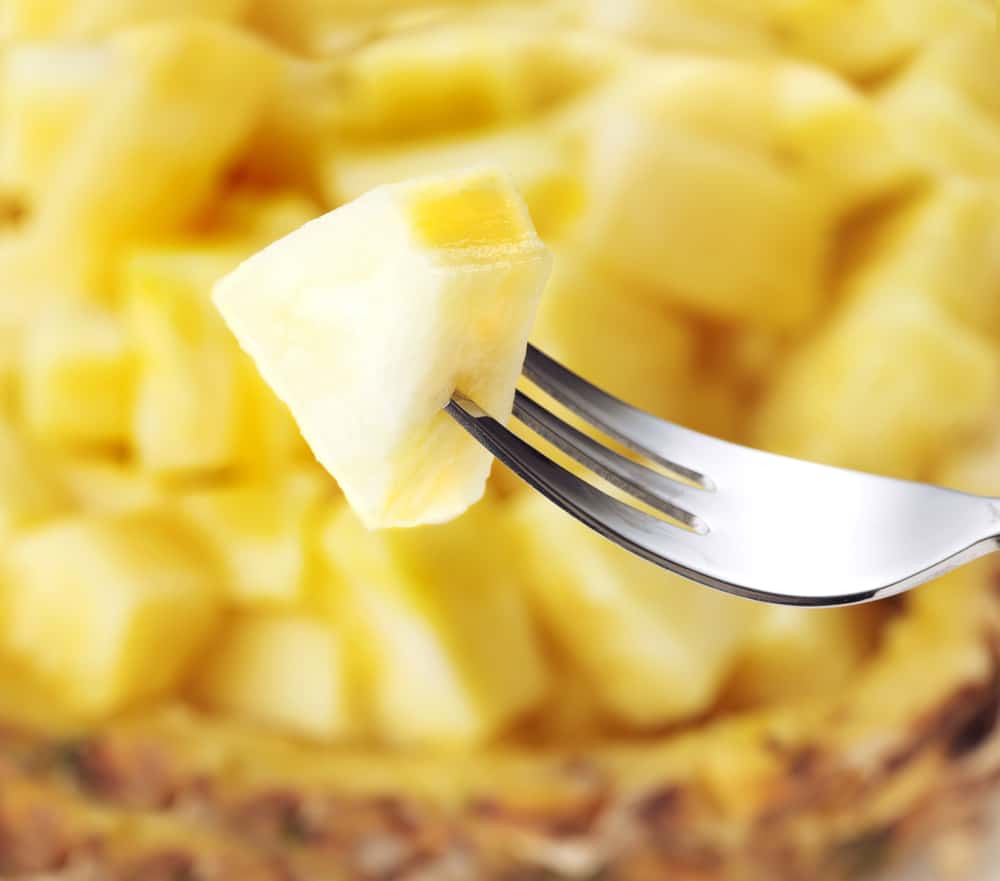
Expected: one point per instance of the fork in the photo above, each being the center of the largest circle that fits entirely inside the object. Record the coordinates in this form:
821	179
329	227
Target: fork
750	523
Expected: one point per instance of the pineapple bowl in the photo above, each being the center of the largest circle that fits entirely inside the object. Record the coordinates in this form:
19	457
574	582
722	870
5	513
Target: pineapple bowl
776	221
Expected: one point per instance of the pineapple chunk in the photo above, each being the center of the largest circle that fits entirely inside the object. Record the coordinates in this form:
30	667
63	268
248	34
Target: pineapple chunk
184	98
285	671
686	198
200	403
320	27
299	125
967	58
76	378
975	467
270	437
946	106
48	92
30	19
108	610
34	19
848	398
263	217
654	647
442	636
943	127
796	653
367	320
646	355
429	81
861	38
730	26
259	532
946	246
104	486
30	490
838	137
189	397
540	160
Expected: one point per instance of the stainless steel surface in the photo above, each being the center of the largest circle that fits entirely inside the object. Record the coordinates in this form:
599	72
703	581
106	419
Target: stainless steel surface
743	521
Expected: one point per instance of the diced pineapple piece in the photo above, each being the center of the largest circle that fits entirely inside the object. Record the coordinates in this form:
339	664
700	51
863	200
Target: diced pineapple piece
106	486
300	123
27	19
654	647
974	467
259	532
200	403
202	84
108	610
943	127
858	395
295	22
319	27
27	705
946	246
861	38
286	671
647	354
188	407
77	378
428	81
946	106
34	19
269	434
441	633
731	26
48	93
369	319
19	306
30	490
540	159
263	217
796	653
686	196
838	137
8	371
967	58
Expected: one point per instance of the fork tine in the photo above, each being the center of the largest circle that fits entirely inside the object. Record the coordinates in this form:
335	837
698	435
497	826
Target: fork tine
612	416
658	541
694	556
643	483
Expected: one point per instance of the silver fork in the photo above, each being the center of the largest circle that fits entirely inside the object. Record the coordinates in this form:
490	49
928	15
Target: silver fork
750	523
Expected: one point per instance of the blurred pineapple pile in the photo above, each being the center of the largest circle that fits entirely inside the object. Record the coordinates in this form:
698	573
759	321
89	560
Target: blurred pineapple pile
777	221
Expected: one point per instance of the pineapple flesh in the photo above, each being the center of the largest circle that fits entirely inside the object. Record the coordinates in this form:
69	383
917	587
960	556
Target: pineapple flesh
260	534
30	492
446	649
189	390
76	378
436	281
654	647
108	610
199	79
285	670
812	409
